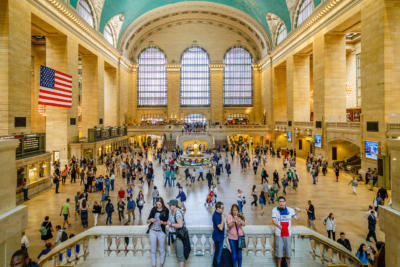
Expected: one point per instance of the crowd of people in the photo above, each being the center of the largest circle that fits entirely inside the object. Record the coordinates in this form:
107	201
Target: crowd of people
132	164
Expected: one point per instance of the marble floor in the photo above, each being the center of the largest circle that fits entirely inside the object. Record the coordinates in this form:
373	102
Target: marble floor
327	196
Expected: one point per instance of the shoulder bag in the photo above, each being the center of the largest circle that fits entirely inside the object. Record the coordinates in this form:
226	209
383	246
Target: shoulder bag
241	238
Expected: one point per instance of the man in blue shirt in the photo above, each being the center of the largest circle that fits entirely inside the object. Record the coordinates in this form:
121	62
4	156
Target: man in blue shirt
218	234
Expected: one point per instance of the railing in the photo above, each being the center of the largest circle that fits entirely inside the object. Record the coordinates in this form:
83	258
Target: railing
304	123
281	123
107	245
29	144
195	133
98	134
348	125
393	126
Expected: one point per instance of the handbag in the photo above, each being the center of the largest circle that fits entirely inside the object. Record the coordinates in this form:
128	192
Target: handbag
181	233
241	239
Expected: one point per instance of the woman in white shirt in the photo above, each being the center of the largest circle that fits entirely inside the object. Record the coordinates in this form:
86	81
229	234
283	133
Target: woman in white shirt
330	224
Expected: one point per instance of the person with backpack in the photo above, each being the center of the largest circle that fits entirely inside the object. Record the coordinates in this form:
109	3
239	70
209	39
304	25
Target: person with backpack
176	223
109	211
83	208
157	221
330	224
46	230
61	235
130	206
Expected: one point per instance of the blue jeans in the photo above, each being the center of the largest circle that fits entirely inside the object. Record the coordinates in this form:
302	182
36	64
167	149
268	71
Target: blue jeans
236	253
167	180
284	189
218	250
240	204
313	178
108	220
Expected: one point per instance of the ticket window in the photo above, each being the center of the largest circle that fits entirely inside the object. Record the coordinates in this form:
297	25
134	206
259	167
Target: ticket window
33	173
43	169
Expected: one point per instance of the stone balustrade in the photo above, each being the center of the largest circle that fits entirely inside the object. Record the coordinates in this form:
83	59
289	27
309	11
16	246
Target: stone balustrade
307	124
121	245
347	125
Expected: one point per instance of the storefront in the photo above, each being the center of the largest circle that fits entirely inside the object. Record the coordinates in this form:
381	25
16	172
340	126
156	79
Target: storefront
36	171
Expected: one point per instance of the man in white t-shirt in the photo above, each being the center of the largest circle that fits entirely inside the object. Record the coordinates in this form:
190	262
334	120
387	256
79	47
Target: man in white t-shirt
281	218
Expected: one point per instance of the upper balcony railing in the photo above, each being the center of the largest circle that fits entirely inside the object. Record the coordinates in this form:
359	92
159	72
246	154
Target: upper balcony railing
308	124
99	134
29	144
346	125
117	245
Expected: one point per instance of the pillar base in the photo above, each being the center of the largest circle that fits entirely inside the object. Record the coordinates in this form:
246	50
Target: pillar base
389	223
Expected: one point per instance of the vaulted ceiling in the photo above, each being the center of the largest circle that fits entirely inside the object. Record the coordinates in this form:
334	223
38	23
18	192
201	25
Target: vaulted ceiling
133	9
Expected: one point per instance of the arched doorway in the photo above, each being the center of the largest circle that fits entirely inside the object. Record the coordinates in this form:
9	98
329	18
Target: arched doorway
346	154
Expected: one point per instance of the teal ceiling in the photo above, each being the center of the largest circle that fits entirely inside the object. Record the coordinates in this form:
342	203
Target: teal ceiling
132	9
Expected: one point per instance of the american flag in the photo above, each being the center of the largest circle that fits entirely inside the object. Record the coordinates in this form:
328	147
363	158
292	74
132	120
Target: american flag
55	88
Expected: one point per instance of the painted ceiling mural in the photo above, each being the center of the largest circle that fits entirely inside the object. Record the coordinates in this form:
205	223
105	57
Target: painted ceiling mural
132	9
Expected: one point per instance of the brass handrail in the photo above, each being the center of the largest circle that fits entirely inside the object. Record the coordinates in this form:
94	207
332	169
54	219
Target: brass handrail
345	251
62	246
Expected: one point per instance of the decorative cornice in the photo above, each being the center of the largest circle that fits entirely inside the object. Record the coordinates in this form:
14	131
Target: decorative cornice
67	17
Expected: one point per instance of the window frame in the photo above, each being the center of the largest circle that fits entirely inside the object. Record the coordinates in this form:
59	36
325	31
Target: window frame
208	83
278	32
89	10
225	79
301	11
111	34
138	105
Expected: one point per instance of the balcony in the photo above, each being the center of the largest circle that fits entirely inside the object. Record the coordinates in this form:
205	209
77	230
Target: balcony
118	245
344	125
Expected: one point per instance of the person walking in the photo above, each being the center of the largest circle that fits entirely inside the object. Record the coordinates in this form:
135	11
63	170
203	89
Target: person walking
130	206
254	195
46	230
176	221
182	198
372	227
140	202
264	176
201	172
262	199
56	181
240	200
157	221
281	219
96	211
330	224
337	171
24	185
121	210
156	194
311	215
218	220
209	179
235	222
109	211
354	184
83	208
65	212
363	255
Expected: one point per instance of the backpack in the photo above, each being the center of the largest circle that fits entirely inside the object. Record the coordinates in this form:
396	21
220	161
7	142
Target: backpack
43	229
226	259
64	236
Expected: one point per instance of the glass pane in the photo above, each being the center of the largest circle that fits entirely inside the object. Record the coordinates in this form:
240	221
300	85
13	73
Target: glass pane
238	77
305	11
85	12
152	78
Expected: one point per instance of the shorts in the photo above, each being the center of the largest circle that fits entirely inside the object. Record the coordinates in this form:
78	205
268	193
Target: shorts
179	250
283	244
65	217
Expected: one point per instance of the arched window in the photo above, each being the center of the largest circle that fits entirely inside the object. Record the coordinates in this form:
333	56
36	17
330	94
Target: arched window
108	35
238	77
152	78
305	10
282	34
195	118
85	12
195	77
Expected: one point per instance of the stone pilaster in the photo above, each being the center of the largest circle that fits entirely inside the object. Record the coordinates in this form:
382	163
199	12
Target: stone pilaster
100	91
90	86
110	97
329	77
13	219
217	92
298	88
15	65
258	109
279	94
173	91
62	55
132	96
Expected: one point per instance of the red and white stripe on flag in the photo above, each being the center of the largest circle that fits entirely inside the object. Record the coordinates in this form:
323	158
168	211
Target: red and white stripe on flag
55	88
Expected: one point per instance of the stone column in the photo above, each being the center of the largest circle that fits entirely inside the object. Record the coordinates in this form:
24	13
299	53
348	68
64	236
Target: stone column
217	92
298	88
173	91
329	77
13	219
15	65
132	96
100	91
258	109
279	94
62	55
380	91
90	85
267	102
110	97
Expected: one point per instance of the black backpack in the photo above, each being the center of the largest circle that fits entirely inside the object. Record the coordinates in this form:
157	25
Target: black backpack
64	236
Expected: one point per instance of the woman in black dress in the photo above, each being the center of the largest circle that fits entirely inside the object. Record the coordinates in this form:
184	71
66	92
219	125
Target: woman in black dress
47	234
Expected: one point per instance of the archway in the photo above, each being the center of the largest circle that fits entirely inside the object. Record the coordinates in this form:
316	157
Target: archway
344	153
